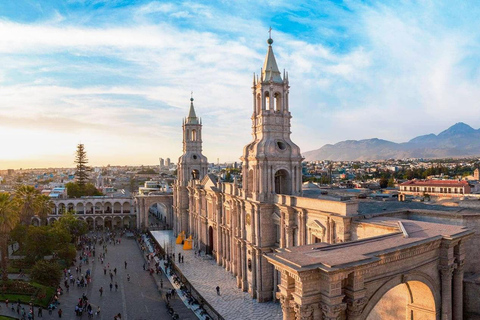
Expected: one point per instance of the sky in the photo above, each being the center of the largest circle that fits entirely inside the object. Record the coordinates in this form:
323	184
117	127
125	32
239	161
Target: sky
117	75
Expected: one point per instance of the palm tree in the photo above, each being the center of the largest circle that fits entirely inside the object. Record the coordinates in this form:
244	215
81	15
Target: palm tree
43	207
9	218
25	200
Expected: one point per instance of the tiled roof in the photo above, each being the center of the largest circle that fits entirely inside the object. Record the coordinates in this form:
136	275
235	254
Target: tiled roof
435	183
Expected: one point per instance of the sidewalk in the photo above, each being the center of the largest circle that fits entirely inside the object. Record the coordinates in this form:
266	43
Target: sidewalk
204	274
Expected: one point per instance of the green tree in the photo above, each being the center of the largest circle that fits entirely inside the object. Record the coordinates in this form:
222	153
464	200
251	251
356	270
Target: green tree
75	227
391	182
25	198
82	169
9	217
75	191
46	272
19	234
43	207
39	242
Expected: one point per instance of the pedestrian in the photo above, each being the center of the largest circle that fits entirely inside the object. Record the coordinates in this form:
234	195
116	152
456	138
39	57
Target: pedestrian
60	313
40	312
218	290
6	303
182	259
116	286
101	291
98	311
104	270
125	264
128	277
144	267
111	286
115	271
111	276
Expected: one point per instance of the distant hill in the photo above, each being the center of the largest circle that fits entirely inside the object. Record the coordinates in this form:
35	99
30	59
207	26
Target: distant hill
460	140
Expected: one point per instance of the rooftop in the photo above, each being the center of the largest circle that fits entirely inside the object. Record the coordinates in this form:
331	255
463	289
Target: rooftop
332	257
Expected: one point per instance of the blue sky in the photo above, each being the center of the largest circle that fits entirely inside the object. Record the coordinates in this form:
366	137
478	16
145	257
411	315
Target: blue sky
117	75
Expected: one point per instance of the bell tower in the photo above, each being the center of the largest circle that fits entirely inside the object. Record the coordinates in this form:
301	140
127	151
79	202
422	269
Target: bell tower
192	165
272	163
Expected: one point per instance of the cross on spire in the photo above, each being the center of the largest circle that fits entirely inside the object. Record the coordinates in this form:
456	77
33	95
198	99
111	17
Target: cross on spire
270	33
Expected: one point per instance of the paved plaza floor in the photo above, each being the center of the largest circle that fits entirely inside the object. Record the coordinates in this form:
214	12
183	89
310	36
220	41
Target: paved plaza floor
137	299
204	275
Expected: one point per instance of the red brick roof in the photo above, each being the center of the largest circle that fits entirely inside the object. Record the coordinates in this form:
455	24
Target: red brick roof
436	183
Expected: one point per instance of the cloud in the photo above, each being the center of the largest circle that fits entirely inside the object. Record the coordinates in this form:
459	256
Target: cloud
356	70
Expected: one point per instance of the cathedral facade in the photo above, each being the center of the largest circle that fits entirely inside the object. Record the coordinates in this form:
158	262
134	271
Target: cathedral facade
240	223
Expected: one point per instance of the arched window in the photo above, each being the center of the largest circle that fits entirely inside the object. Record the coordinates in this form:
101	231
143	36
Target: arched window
278	101
283	183
195	175
267	100
194	135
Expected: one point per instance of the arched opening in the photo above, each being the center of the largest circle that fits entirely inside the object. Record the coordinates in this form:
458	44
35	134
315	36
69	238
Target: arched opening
126	222
89	221
126	207
80	209
108	207
410	300
282	182
195	174
98	223
89	208
71	207
278	101
98	207
159	211
61	208
210	240
194	135
117	207
259	103
107	223
267	100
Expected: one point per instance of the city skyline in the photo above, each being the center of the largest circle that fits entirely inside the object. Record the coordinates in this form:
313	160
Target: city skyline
117	75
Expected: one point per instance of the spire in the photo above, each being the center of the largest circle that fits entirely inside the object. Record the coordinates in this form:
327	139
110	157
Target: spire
270	69
192	117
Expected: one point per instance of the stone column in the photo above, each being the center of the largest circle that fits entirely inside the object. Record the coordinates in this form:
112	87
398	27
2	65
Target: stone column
446	272
282	230
458	291
289	236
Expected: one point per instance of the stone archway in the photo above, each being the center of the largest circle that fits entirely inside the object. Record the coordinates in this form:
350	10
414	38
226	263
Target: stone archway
409	300
143	204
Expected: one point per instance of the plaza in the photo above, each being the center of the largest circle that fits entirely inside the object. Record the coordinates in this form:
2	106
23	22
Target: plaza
137	299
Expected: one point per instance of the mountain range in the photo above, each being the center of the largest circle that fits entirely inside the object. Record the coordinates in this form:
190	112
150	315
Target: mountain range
460	140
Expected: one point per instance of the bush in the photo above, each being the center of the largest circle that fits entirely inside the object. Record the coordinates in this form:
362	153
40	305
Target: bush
47	273
67	253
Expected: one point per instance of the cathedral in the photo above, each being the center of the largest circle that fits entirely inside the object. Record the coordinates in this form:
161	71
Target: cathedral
238	224
321	258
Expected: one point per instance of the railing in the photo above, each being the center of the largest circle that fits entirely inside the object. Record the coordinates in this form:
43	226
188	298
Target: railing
195	294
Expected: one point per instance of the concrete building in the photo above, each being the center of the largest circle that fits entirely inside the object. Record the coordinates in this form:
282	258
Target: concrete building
448	188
